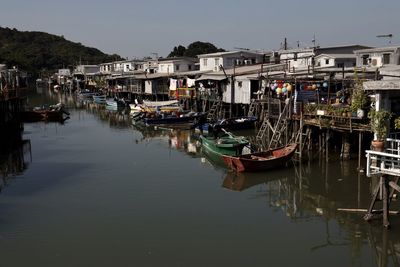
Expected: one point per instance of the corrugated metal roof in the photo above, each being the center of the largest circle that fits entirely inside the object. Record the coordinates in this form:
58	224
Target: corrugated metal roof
174	59
377	49
219	54
382	85
214	77
337	55
149	76
241	70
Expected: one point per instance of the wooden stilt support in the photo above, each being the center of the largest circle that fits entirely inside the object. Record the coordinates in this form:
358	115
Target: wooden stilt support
359	150
382	193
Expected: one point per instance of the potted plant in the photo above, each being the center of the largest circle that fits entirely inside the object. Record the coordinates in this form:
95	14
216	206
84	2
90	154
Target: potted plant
397	123
379	120
359	98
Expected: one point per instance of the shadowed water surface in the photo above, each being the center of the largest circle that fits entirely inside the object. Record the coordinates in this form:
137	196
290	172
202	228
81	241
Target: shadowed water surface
101	192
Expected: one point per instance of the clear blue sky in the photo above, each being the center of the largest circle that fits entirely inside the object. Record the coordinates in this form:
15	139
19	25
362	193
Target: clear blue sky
139	28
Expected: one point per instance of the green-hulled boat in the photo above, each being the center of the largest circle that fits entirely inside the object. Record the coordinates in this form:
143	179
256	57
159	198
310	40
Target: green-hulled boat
227	144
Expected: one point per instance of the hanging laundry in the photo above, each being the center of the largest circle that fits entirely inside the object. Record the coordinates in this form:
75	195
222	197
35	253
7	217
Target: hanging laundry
172	84
190	82
295	101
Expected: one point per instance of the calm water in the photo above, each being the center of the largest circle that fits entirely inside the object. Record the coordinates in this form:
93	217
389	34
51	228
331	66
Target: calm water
97	191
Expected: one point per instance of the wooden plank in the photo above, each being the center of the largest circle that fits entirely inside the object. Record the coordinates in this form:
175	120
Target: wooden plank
392	212
394	186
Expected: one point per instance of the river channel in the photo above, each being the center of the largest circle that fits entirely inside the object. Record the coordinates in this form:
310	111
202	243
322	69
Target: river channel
99	191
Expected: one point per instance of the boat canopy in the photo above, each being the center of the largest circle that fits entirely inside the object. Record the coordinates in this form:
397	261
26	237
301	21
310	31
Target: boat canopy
160	103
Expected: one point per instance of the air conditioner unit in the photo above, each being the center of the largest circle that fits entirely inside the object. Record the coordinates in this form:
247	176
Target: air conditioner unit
375	61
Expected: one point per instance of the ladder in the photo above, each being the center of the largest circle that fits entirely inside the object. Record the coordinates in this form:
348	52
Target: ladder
213	112
263	128
280	127
252	108
301	138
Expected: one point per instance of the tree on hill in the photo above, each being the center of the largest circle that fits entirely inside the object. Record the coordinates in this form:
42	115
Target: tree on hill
178	51
38	51
194	49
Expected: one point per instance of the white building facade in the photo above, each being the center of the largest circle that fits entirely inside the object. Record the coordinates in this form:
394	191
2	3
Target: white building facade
335	60
227	60
173	65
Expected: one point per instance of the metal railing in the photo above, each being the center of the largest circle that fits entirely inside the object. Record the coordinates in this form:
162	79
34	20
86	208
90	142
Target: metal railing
385	162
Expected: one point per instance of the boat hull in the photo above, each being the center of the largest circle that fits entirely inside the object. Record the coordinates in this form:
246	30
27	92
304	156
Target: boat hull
170	120
261	161
216	148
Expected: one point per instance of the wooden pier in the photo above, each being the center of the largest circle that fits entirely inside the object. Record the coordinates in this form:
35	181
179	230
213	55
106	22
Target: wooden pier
386	164
10	122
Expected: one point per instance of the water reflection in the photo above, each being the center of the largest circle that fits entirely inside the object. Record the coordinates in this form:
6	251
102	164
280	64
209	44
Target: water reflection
15	162
241	181
386	247
308	193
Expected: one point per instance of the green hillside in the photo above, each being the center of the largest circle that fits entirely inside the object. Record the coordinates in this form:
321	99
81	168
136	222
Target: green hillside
38	52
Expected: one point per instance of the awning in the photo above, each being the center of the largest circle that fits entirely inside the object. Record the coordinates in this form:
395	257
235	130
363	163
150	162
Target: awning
211	77
383	85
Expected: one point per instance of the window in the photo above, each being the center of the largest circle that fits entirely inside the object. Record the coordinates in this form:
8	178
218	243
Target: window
217	62
240	83
365	59
189	67
340	65
205	62
295	57
177	67
386	58
327	61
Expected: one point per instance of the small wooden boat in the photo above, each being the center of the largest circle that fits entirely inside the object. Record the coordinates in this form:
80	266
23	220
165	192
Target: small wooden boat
45	113
190	117
85	94
99	99
117	103
261	161
236	123
161	106
218	146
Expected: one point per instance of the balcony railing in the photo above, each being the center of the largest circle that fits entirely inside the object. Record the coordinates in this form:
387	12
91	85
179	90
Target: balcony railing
385	162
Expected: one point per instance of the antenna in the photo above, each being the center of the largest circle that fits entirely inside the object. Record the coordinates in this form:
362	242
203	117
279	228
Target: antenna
389	36
314	41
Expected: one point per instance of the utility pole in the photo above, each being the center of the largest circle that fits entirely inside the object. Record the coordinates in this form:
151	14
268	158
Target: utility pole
232	89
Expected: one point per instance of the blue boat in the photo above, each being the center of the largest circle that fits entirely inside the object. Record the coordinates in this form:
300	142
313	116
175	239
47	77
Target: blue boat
236	123
117	103
163	118
100	99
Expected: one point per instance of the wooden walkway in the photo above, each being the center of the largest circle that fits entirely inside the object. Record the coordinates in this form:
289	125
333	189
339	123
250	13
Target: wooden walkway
386	164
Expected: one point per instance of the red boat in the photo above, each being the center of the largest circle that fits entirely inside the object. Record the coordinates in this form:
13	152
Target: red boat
261	161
